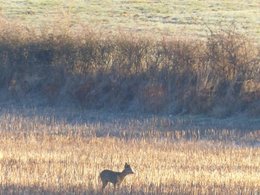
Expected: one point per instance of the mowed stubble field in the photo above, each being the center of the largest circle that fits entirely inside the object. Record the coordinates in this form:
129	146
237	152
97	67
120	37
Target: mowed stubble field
63	151
41	152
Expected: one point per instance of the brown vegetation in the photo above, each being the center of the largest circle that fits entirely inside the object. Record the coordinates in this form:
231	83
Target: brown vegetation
43	155
217	76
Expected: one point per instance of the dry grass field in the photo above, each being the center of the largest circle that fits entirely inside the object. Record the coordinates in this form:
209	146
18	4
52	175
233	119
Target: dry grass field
48	154
168	18
130	81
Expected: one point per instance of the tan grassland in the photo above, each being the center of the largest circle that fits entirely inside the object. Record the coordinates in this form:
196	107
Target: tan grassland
168	18
43	42
42	155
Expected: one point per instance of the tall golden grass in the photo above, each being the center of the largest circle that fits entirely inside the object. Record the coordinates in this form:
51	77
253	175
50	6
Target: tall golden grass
43	155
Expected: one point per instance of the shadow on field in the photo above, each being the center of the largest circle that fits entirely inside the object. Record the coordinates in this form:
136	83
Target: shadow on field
13	189
131	125
150	189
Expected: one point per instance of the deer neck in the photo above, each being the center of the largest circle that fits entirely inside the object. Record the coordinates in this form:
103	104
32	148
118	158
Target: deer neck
123	174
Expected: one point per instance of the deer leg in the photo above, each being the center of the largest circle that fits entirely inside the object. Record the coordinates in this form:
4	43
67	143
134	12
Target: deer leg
104	185
114	188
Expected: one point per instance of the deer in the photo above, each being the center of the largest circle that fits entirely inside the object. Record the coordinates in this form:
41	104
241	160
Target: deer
116	178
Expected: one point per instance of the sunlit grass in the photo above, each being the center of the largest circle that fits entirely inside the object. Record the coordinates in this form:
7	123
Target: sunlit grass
163	17
45	155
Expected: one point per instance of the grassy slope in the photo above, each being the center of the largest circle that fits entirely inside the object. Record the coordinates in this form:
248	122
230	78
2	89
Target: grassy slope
160	17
